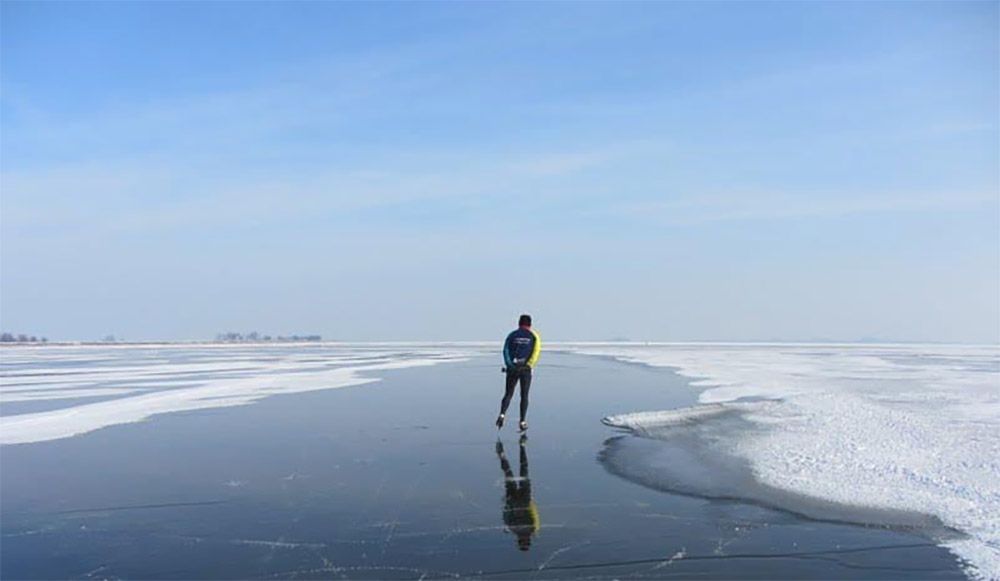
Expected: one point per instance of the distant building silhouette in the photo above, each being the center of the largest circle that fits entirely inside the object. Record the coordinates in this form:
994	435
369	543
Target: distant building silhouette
255	337
21	338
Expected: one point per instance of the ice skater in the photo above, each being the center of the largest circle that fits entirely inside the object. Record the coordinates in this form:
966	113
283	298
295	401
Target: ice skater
520	354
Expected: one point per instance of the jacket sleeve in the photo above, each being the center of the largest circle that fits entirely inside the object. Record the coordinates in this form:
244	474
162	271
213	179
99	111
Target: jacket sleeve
536	351
506	352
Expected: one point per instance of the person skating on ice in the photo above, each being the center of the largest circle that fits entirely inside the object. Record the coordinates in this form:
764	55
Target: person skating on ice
520	355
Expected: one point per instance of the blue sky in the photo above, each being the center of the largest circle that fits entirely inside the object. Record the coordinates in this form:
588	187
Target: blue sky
653	171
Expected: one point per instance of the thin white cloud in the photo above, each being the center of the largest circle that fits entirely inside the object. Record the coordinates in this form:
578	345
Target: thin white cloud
782	206
155	193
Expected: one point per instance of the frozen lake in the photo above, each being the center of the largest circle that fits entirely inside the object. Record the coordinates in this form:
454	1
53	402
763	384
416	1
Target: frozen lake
253	467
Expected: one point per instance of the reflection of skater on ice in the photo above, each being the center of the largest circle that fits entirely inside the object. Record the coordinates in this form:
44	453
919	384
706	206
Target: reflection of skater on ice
519	511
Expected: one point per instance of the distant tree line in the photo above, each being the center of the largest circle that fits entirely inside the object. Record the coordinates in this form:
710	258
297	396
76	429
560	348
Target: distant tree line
255	337
21	338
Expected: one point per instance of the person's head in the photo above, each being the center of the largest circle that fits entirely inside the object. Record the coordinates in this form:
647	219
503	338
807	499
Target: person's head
524	321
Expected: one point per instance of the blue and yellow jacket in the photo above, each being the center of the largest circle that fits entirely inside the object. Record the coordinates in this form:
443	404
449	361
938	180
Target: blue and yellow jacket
522	347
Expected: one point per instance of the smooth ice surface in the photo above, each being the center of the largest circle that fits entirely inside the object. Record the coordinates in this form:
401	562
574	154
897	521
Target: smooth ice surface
899	427
136	382
405	479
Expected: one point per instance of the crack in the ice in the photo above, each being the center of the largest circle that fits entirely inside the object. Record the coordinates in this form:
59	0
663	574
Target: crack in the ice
675	557
95	571
741	529
140	507
29	533
280	543
467	530
277	544
424	573
394	525
821	555
558	552
388	537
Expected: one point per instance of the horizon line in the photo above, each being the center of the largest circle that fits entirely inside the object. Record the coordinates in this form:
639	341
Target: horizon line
492	342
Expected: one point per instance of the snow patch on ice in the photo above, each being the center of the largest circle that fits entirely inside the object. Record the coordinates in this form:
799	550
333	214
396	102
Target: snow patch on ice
898	427
184	383
649	423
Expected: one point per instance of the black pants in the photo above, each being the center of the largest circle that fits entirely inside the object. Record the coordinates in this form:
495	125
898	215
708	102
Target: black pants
515	375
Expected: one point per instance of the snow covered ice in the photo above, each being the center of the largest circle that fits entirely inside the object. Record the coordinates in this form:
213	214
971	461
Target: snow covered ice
136	382
895	427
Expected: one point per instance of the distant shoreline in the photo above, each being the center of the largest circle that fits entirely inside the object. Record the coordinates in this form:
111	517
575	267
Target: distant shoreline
554	345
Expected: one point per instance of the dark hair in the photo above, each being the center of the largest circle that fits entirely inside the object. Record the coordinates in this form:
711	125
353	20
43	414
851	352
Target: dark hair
524	321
